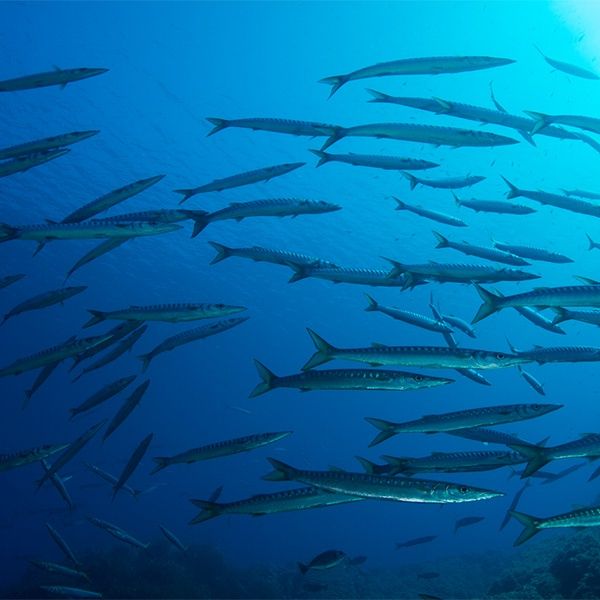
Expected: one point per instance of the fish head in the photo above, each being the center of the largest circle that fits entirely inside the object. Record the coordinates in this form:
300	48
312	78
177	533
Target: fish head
537	410
418	381
495	360
323	206
456	492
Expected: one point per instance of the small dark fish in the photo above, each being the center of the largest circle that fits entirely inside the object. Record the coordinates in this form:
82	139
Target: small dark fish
117	533
513	505
64	591
24	163
57	77
568	68
466	522
59	484
126	409
132	463
416	541
173	538
323	561
45	144
96	252
102	395
9	280
62	544
39	381
111	479
449	183
26	457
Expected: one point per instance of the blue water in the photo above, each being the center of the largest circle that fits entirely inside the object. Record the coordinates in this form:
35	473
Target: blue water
172	65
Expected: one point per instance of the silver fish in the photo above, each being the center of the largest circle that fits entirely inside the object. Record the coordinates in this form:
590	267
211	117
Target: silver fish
105	393
532	381
24	163
59	484
376	161
430	214
448	183
69	592
492	254
127	407
173	538
494	206
568	68
96	252
44	300
117	533
56	77
26	457
45	144
111	479
289	126
131	465
240	179
62	544
336	274
533	253
584	316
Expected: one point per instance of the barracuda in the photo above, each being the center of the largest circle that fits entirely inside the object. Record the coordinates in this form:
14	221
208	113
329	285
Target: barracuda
430	214
376	161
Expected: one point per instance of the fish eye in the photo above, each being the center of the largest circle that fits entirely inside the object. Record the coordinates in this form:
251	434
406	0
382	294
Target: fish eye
499	355
536	407
463	489
418	377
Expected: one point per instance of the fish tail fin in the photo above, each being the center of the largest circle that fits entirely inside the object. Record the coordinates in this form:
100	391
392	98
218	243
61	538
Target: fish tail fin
336	82
200	220
489	306
146	359
512	348
97	317
456	199
303	568
210	510
223	252
513	190
442	242
372	303
218	124
536	456
267	376
378	96
560	315
397	464
39	248
323	353
591	242
300	272
7	232
414	182
530	526
400	205
323	157
338	134
397	267
386	430
187	193
162	462
282	472
368	465
541	120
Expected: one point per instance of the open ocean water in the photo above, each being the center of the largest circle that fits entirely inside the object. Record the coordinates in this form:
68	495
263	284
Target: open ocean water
170	67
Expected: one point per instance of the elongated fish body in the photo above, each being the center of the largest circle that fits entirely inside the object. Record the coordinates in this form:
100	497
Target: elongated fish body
105	393
52	355
41	378
448	183
473	375
115	334
289	126
265	504
170	313
240	179
390	163
584	316
26	457
219	449
408	317
495	206
487	436
111	199
583	517
480	251
459	324
45	144
462	419
126	408
583	194
84	231
561	354
62	544
559	201
532	381
121	348
416	541
57	77
538	319
173	538
57	569
191	335
372	277
9	280
163	215
28	161
433	357
513	505
533	253
45	300
430	214
473	113
273	207
70	452
568	68
103	248
454	462
59	484
111	479
346	379
455	273
117	533
260	254
543	297
579	121
63	591
424	134
435	65
381	487
132	463
586	446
